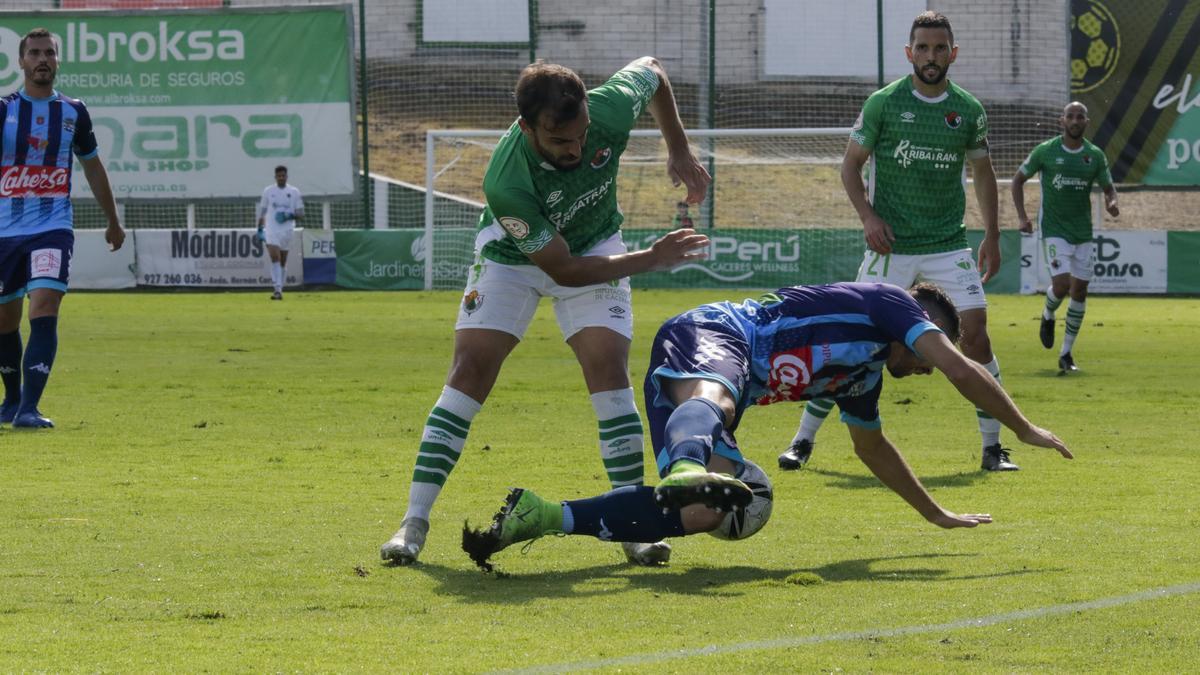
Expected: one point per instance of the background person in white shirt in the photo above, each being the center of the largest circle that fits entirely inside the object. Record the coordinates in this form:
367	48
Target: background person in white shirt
280	208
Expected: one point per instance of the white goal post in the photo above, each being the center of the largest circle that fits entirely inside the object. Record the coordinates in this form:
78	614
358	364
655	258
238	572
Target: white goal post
763	178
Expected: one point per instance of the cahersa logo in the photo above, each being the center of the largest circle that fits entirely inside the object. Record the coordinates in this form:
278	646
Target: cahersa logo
35	181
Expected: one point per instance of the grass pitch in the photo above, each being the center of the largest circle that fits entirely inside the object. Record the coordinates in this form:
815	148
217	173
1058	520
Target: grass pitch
225	469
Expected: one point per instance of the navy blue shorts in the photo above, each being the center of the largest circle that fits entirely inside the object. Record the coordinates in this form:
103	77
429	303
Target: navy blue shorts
696	344
32	261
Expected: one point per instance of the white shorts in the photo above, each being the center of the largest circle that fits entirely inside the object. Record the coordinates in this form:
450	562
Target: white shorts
1063	257
953	271
279	236
505	297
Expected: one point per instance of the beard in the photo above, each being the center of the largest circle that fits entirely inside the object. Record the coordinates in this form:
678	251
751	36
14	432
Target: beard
42	77
936	79
1074	135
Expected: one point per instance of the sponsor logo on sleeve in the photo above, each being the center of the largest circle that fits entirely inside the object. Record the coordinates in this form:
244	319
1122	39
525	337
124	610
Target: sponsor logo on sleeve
518	228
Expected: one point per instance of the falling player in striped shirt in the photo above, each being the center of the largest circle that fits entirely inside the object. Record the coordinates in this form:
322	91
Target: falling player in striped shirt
41	131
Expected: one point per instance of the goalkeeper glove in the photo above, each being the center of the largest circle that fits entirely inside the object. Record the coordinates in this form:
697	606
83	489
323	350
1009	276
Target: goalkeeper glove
258	234
282	216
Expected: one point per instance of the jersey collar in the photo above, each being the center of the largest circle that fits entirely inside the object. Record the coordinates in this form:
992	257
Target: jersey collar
937	99
1064	147
25	95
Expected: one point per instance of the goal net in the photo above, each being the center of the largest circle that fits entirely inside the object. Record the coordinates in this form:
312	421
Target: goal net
769	186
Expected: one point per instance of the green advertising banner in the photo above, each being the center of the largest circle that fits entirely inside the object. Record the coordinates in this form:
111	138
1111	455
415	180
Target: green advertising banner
1136	65
380	259
1183	262
773	258
192	104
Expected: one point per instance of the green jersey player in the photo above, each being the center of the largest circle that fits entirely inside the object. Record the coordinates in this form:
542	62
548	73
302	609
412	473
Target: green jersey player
1069	165
918	133
552	228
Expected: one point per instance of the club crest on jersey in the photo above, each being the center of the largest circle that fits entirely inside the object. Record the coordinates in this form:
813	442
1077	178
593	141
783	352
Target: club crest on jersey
601	158
1087	159
41	120
472	301
518	228
953	120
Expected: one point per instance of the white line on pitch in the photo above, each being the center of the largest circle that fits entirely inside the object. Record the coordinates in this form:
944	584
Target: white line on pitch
782	643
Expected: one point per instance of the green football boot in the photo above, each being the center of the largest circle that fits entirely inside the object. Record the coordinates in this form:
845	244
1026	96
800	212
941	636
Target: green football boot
689	483
524	517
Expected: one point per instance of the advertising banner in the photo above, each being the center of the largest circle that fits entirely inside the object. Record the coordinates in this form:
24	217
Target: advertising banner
1183	262
94	267
196	104
773	258
1125	262
210	258
320	257
380	259
1136	65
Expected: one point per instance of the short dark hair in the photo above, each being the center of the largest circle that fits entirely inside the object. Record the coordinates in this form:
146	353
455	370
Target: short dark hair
684	204
550	88
35	33
281	168
930	19
939	307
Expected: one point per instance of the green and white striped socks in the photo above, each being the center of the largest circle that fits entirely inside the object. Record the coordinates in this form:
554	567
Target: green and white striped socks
620	436
989	427
441	444
815	412
1075	310
1052	304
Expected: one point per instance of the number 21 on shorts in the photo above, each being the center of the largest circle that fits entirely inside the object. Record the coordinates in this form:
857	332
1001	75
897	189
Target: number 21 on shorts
872	266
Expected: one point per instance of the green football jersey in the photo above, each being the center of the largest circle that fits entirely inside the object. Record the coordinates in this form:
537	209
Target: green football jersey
1067	178
528	200
918	151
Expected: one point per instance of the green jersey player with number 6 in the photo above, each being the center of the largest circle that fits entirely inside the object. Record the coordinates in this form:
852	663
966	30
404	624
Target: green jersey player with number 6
552	229
918	133
1069	165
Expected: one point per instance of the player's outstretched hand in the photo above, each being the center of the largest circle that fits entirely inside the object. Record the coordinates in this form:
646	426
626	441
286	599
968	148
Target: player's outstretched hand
678	246
1113	209
952	520
1044	438
989	257
114	234
1026	226
686	169
878	234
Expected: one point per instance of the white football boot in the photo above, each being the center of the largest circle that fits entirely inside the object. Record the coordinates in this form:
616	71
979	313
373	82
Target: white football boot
650	555
404	546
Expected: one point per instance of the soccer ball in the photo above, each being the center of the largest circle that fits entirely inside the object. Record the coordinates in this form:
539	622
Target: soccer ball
1095	46
746	522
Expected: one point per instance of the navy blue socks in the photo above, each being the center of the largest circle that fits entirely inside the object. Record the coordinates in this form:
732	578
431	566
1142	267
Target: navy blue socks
624	514
39	359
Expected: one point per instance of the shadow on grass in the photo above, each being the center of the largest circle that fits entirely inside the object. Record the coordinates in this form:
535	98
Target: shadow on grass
850	481
472	585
